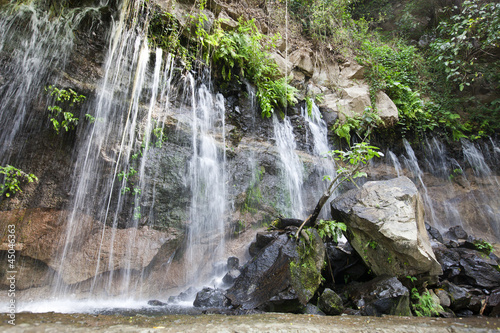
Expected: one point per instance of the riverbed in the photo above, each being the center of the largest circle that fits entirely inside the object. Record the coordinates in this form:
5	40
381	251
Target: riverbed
270	322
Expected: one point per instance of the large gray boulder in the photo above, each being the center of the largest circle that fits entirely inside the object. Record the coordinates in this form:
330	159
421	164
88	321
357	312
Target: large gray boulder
385	222
282	277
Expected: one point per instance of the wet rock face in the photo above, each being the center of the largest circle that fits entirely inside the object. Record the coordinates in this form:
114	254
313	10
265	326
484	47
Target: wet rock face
211	298
276	280
382	295
40	234
386	227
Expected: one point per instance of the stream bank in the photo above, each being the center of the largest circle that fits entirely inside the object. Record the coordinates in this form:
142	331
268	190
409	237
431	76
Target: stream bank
275	322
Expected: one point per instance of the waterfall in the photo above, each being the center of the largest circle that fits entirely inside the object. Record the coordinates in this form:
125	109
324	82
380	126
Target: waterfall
456	193
319	131
103	169
33	43
291	165
207	182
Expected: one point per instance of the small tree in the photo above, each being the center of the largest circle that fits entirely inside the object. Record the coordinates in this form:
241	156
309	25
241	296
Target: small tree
351	164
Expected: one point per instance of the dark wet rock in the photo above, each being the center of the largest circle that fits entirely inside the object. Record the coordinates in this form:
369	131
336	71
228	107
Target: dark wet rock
468	266
278	279
233	263
262	239
455	233
433	233
385	224
313	310
155	302
464	313
231	276
211	298
460	297
345	264
382	295
480	270
330	303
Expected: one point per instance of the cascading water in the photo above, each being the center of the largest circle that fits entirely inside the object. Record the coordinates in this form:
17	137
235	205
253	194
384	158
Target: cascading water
130	109
456	193
33	43
291	166
105	157
319	131
207	182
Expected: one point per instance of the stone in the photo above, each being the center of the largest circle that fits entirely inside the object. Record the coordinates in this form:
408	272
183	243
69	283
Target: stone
284	66
459	296
226	22
382	295
386	109
345	263
211	298
455	233
262	239
385	225
311	309
444	299
231	276
433	233
155	302
302	59
351	72
330	303
41	231
233	263
275	279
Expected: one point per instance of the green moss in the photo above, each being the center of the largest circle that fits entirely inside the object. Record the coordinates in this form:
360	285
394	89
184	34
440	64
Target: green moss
305	275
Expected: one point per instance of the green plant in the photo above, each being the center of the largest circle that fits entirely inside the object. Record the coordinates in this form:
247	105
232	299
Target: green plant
330	229
68	98
351	163
12	178
372	244
362	125
424	305
483	246
465	40
243	53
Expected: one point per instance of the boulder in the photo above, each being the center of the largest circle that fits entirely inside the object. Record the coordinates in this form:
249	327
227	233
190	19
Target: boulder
302	59
231	276
385	225
330	303
226	22
280	277
459	296
386	109
468	266
382	295
211	298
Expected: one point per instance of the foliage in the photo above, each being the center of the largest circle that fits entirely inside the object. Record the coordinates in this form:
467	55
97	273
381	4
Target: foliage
353	160
12	178
319	18
471	34
330	229
483	246
243	54
362	125
164	32
67	98
351	163
424	305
